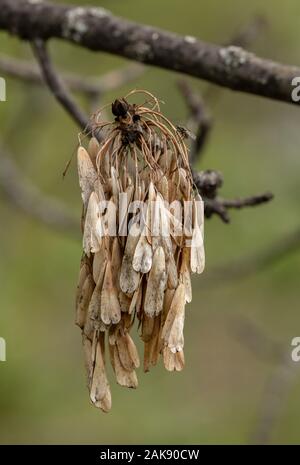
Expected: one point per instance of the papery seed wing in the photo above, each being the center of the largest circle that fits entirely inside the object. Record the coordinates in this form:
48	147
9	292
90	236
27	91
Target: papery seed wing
156	284
93	150
87	174
142	259
84	300
90	240
129	278
110	307
177	306
124	377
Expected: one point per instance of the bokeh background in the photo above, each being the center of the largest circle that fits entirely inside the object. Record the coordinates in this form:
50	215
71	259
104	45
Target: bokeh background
234	386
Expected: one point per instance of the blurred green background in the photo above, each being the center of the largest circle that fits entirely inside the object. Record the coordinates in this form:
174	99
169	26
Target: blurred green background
221	395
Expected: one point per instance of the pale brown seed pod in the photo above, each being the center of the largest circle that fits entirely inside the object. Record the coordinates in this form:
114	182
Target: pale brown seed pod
139	249
156	284
86	173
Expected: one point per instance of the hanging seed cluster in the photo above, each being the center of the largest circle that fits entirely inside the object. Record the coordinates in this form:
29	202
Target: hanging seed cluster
138	253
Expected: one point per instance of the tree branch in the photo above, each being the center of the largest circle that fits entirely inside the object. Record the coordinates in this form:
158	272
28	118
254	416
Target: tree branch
57	86
200	117
90	86
208	183
97	29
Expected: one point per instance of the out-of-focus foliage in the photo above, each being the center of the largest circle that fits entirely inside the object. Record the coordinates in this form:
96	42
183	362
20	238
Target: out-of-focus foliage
255	143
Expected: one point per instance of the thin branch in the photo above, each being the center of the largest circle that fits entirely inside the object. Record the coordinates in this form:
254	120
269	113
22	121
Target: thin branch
57	86
21	193
97	29
200	117
90	86
208	183
249	32
247	201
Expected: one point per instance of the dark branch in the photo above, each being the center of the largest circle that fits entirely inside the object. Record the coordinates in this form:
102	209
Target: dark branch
208	183
248	201
200	117
57	86
98	30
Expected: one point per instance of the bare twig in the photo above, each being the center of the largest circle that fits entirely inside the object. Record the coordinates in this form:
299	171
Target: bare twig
250	32
200	118
208	182
29	199
99	30
57	86
90	86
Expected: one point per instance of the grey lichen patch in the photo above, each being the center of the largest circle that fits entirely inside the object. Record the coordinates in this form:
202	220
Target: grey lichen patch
75	24
155	36
233	57
190	39
34	2
139	50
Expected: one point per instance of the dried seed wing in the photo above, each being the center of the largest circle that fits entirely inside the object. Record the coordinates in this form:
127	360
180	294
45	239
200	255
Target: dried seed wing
133	351
186	277
105	402
125	302
129	278
91	241
84	300
178	303
88	359
124	377
115	185
197	252
163	187
156	284
93	320
83	273
134	300
168	297
179	360
172	273
87	174
99	189
123	352
169	359
175	340
99	259
100	388
147	328
116	262
93	149
142	259
110	307
185	184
